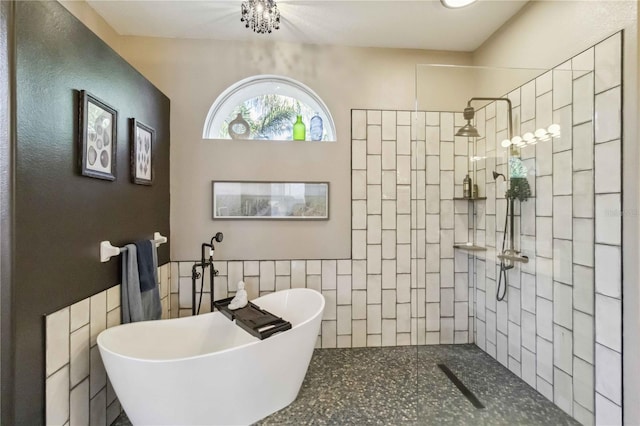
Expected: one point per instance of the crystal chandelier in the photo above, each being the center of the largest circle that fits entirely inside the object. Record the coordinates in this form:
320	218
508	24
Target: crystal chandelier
262	16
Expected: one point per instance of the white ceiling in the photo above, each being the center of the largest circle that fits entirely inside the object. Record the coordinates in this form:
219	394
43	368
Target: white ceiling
419	24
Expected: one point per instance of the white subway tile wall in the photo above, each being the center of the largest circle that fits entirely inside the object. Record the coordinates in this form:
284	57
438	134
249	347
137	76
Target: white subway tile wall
563	323
78	391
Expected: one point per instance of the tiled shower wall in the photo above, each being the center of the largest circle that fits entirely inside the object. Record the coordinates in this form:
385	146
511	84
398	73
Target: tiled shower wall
559	328
78	391
405	284
404	169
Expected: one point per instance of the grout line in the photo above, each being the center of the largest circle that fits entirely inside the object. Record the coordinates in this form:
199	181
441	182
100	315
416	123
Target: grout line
608	399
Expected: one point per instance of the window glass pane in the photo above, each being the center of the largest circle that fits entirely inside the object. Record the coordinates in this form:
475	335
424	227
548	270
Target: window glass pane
270	117
264	107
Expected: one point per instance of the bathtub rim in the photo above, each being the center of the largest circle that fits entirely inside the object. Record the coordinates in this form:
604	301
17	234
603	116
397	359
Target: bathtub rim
254	340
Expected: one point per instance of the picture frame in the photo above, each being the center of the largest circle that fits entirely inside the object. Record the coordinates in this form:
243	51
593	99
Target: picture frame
142	146
270	200
98	136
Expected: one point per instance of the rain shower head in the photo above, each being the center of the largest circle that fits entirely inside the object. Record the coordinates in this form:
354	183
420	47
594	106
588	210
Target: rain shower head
468	129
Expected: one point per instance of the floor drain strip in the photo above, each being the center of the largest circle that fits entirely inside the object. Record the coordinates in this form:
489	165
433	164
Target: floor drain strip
465	390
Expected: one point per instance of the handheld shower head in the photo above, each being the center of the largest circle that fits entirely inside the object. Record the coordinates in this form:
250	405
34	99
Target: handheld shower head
218	237
496	174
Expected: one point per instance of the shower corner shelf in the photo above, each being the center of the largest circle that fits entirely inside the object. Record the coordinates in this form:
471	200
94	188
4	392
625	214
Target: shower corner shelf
469	199
472	247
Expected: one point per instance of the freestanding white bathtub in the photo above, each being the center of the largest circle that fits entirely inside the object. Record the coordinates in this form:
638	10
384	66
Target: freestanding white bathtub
205	370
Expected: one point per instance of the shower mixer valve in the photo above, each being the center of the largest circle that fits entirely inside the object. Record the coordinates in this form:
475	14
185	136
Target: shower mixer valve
510	256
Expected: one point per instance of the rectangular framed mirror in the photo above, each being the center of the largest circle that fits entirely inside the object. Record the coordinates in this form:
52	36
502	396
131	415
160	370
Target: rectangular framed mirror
270	200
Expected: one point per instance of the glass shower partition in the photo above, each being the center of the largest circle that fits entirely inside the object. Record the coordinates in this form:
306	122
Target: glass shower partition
499	262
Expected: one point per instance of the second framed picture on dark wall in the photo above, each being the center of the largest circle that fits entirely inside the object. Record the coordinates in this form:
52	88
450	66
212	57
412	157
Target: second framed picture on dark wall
142	141
97	137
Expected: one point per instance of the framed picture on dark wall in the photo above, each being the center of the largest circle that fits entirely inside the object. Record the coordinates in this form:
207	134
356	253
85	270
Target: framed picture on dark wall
97	137
142	141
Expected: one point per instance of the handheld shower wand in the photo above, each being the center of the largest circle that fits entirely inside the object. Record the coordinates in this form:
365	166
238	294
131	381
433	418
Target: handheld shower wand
503	266
469	130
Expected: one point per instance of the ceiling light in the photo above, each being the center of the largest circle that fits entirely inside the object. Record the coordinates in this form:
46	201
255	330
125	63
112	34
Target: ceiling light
262	16
456	4
505	143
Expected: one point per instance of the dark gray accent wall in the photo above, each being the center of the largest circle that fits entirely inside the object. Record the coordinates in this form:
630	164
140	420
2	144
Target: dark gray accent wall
6	98
61	216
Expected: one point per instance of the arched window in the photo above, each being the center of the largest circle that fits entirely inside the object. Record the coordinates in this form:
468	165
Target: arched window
268	104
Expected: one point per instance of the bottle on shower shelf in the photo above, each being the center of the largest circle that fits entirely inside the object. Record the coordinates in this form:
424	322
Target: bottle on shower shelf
466	187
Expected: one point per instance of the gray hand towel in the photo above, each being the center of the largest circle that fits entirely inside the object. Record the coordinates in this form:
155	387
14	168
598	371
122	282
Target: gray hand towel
137	305
131	300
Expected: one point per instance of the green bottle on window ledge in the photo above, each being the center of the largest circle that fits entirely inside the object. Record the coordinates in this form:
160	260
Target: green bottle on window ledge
299	130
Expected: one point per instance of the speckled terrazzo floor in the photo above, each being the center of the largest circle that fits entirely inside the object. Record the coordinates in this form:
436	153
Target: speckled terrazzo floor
382	386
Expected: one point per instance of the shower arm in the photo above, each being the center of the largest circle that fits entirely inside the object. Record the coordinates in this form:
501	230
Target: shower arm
508	101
